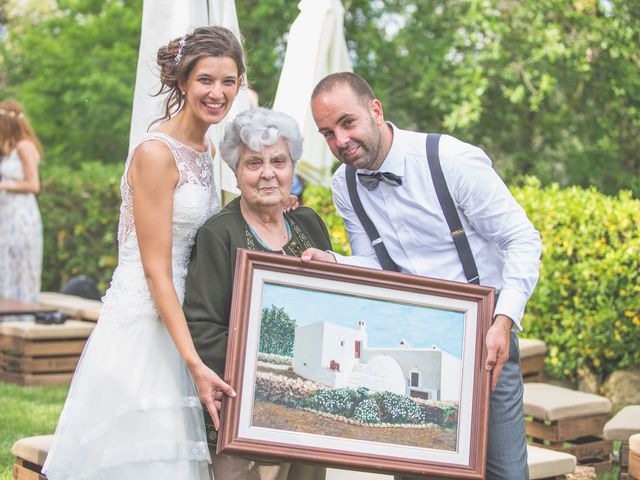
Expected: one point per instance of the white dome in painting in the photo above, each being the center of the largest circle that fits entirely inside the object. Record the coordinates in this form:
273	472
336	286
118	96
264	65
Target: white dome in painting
383	373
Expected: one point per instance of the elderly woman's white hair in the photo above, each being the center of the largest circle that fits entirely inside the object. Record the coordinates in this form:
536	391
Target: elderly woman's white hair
257	128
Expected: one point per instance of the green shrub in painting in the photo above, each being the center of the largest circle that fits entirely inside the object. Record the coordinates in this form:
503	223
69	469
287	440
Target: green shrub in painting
397	408
341	401
449	415
367	411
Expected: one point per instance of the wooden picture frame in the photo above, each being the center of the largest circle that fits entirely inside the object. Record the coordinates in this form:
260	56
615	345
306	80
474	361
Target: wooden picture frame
356	368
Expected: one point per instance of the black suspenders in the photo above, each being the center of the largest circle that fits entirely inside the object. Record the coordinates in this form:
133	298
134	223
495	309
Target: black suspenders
447	205
372	232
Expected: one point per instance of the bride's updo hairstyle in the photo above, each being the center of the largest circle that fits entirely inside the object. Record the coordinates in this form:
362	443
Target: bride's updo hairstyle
179	56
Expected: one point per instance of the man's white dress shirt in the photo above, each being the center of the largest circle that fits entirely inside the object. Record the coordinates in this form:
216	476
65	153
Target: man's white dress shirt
505	245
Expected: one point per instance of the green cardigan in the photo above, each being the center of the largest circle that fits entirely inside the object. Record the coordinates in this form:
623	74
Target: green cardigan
209	281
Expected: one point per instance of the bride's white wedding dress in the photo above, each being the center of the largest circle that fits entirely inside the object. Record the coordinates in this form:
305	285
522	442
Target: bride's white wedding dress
133	412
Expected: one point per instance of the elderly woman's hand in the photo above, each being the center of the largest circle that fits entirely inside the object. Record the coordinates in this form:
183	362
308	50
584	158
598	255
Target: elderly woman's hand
211	390
311	254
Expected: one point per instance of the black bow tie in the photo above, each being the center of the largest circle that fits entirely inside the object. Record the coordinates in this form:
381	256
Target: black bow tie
371	180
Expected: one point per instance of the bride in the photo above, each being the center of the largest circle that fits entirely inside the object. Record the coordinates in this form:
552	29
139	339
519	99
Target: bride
133	411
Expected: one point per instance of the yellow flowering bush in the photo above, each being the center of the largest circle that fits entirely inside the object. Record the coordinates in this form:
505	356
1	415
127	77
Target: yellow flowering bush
319	198
587	303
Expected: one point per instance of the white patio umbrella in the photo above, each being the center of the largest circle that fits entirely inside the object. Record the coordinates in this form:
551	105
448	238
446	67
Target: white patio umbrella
316	47
163	20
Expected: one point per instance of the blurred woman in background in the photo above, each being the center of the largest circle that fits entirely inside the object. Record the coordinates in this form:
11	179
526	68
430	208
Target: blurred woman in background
20	222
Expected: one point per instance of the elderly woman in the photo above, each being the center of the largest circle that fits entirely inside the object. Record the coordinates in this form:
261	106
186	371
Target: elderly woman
261	146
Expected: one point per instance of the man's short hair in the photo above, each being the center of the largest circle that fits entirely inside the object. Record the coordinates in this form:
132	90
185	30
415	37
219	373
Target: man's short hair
358	85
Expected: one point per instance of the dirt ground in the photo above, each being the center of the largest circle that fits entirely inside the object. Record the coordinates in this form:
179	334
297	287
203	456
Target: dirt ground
279	417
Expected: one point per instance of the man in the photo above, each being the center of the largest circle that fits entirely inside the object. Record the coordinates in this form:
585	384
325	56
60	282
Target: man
405	209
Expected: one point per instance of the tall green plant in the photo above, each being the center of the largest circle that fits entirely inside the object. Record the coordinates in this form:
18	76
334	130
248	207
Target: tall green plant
80	209
587	302
277	332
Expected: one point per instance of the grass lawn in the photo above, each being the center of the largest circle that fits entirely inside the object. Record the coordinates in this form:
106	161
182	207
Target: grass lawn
28	411
24	412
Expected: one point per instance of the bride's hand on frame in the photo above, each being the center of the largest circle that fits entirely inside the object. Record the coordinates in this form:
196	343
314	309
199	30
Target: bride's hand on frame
211	390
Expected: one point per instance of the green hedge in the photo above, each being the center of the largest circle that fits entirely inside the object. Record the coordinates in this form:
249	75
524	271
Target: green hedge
320	200
587	303
586	306
80	209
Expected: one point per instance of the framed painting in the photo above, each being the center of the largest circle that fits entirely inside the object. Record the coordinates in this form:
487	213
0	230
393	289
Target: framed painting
356	368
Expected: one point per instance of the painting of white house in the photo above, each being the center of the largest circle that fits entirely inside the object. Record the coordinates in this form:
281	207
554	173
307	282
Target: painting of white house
357	367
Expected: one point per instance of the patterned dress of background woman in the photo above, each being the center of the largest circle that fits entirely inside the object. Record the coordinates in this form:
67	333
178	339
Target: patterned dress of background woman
20	237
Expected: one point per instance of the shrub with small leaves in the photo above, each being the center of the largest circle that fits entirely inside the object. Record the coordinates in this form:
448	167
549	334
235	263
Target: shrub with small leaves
367	411
341	401
397	408
586	306
320	199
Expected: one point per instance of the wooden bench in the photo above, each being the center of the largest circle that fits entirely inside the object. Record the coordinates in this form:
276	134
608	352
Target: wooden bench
32	354
30	455
74	306
10	307
569	421
545	464
634	456
623	425
532	352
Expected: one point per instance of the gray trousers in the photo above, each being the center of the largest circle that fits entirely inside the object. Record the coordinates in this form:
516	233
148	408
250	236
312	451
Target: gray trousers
507	448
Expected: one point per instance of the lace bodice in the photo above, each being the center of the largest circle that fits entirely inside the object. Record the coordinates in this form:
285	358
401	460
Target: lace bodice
196	168
194	202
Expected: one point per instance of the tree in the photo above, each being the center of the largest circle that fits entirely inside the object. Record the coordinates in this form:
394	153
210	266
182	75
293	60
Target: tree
563	93
18	17
277	332
264	26
549	88
75	72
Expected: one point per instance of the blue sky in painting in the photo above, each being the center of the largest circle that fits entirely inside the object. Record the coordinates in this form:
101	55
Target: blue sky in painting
420	326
